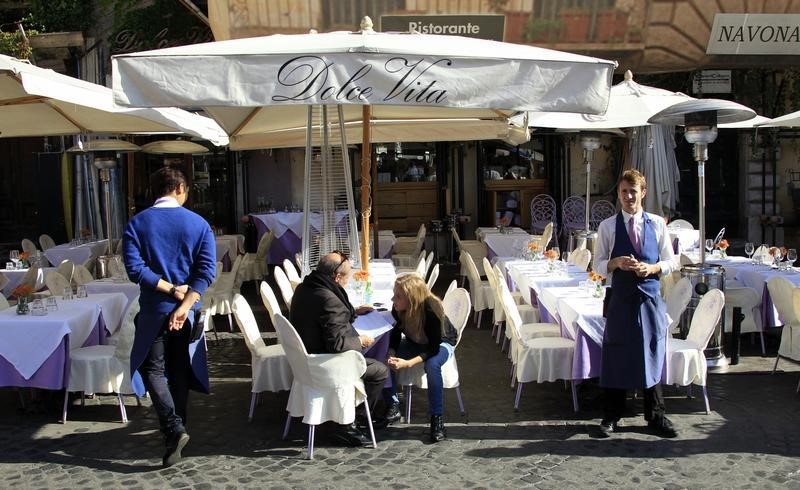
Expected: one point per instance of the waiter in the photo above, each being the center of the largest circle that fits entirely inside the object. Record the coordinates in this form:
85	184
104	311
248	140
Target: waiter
633	250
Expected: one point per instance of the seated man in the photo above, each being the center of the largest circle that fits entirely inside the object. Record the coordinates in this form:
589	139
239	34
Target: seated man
323	317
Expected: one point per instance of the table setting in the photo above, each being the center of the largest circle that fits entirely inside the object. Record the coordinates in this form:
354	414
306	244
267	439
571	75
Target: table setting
287	227
78	253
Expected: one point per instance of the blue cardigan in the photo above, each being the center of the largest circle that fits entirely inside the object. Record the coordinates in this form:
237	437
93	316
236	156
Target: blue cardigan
172	243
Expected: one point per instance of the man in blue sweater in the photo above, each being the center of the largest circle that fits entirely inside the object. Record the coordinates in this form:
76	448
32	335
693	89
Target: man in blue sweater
170	252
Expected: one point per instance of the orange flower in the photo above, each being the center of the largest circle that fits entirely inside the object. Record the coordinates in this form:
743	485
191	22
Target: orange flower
24	256
783	251
773	251
595	277
723	244
361	275
533	246
551	254
504	221
22	290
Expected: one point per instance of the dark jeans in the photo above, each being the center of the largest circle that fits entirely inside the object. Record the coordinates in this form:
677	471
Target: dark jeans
614	403
166	373
374	378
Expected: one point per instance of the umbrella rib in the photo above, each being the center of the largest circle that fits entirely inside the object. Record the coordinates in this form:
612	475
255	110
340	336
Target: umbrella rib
29	99
245	121
65	116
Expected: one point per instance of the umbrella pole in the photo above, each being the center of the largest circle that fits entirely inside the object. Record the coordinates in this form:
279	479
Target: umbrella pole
366	167
588	160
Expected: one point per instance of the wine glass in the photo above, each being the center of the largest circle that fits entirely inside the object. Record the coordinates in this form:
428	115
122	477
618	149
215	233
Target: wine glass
14	256
709	244
749	249
778	257
791	256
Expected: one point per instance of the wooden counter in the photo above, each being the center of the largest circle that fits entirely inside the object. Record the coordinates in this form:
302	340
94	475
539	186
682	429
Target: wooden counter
403	206
526	189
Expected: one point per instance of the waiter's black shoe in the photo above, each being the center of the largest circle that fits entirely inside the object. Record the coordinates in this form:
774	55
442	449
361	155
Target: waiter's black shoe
175	444
662	427
349	435
606	428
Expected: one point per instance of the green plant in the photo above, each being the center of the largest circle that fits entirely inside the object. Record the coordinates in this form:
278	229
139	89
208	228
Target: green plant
59	15
538	29
13	44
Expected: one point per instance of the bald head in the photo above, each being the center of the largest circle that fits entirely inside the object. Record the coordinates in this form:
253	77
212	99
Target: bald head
333	263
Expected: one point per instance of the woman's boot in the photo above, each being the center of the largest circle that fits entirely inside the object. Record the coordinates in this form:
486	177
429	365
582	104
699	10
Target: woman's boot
438	432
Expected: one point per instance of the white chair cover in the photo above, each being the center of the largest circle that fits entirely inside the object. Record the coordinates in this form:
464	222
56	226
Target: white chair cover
325	387
475	248
407	249
545	359
433	277
528	313
3	281
270	301
580	258
547	235
254	266
749	301
543	211
3	303
67	269
677	301
291	273
81	275
680	224
29	247
786	299
56	283
270	367
34	277
287	292
46	241
453	285
480	291
224	288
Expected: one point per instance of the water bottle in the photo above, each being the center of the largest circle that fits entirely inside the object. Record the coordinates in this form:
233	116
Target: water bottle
368	293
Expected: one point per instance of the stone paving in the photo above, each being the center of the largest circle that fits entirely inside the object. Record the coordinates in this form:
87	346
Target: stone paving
749	440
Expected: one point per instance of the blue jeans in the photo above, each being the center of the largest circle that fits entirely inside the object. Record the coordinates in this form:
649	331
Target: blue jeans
433	370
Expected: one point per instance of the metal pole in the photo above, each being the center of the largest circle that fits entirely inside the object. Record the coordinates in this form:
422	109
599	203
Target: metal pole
588	158
701	155
366	164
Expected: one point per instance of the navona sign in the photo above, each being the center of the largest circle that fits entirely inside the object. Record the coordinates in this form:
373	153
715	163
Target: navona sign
749	34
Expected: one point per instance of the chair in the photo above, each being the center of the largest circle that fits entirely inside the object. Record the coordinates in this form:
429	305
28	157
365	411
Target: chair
479	291
46	241
104	368
453	285
33	278
298	259
67	269
3	281
680	224
686	363
456	309
29	247
407	249
324	386
749	301
270	301
418	268
284	286
677	301
269	365
433	277
56	283
81	275
786	299
573	217
254	266
580	258
530	313
475	248
547	235
291	274
543	211
3	303
601	209
222	291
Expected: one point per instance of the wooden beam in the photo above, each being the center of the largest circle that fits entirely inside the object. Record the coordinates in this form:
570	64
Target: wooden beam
57	40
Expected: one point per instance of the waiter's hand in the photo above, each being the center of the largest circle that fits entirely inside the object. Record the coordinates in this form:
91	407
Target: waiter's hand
625	263
178	317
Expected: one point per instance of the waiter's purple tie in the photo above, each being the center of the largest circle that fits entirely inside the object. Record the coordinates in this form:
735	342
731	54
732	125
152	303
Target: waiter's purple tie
632	235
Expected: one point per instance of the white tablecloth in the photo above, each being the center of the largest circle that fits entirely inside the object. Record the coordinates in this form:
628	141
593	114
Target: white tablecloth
484	231
77	254
15	277
229	244
507	245
536	275
110	285
26	341
280	223
578	309
687	239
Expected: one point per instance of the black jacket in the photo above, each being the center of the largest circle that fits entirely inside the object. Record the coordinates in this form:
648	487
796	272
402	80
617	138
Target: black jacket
433	331
323	316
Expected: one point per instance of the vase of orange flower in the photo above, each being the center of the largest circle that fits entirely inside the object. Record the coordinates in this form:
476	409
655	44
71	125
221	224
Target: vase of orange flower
533	250
723	248
23	294
551	256
597	280
24	260
502	224
363	286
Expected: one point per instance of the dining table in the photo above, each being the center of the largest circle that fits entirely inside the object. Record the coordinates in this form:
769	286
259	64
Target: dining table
114	285
287	229
34	350
506	244
78	254
228	248
757	277
531	277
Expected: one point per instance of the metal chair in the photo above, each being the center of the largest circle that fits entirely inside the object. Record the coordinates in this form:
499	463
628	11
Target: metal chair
573	215
543	211
601	210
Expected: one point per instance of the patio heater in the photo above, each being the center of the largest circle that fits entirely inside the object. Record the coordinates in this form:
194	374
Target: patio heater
589	141
700	117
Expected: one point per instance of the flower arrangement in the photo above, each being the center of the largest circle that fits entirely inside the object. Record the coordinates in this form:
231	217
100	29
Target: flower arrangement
361	275
533	246
597	279
723	247
22	293
502	223
24	258
551	254
773	251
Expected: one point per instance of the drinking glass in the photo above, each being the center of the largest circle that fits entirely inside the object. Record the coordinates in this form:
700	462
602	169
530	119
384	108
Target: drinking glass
749	249
14	256
9	265
709	244
81	292
37	308
791	256
778	257
51	303
67	294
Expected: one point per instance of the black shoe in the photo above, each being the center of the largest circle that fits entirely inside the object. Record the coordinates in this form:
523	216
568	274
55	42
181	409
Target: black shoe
662	427
391	416
438	432
606	428
349	435
175	444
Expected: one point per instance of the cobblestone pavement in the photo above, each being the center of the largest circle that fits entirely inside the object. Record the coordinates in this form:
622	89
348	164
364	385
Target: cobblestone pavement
749	440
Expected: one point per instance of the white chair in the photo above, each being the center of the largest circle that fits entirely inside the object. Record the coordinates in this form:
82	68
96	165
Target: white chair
433	277
543	211
580	258
291	274
528	313
46	241
3	303
786	299
325	387
686	363
480	292
601	209
456	309
547	235
407	249
3	281
523	330
33	278
66	268
475	248
254	265
270	301
104	368
222	291
29	247
269	365
677	301
81	275
573	217
680	224
284	286
56	283
453	285
749	301
298	259
418	269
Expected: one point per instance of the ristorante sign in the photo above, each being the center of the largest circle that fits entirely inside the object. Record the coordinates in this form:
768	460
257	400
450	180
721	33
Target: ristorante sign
755	34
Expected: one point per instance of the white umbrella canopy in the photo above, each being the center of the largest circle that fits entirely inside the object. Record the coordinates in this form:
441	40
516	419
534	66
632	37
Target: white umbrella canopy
40	102
790	120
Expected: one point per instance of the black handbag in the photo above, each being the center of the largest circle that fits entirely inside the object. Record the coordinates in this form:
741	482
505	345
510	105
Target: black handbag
198	326
606	302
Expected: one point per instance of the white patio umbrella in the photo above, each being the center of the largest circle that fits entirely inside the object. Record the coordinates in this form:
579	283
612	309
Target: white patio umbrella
790	120
39	102
255	85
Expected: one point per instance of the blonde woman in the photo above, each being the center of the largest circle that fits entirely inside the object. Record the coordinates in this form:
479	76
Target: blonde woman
427	337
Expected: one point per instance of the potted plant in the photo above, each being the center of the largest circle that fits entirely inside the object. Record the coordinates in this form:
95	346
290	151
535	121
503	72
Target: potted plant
539	30
576	24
